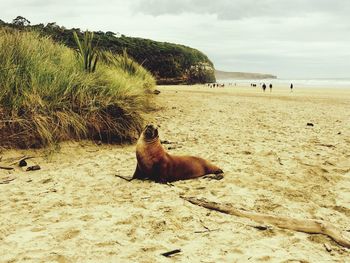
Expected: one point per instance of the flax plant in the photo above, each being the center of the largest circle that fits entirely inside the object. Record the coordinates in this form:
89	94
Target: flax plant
87	54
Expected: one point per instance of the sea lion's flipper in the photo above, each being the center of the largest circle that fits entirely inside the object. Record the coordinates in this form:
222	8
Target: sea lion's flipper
138	174
213	169
218	176
157	175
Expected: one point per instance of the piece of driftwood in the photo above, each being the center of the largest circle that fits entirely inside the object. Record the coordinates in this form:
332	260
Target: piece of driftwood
327	247
327	145
279	161
207	230
310	226
262	228
33	168
124	178
170	253
6	168
11	159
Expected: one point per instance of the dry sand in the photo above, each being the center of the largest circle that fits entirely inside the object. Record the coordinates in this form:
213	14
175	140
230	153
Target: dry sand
76	210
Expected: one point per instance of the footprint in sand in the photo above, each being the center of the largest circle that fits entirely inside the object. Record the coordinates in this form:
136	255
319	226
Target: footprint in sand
69	234
38	229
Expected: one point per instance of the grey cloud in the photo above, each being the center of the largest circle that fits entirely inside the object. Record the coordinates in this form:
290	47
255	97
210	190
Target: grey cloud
68	13
238	9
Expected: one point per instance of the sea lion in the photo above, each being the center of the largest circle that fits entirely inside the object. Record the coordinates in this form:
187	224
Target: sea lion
154	163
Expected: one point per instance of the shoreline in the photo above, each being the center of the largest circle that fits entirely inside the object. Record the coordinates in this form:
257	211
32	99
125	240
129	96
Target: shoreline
299	83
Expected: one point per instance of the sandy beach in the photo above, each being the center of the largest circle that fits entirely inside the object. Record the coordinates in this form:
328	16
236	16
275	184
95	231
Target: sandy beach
75	210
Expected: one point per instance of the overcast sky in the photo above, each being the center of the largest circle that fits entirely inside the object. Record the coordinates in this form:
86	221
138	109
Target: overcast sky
288	38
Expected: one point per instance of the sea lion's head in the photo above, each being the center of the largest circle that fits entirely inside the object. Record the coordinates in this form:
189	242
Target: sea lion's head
150	133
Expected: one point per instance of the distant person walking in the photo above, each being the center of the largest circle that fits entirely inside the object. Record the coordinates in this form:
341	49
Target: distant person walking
264	87
291	87
270	86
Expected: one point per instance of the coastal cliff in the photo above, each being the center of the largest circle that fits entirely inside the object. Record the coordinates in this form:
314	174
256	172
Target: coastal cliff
242	75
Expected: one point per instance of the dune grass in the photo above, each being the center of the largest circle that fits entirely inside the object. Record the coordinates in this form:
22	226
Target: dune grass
47	97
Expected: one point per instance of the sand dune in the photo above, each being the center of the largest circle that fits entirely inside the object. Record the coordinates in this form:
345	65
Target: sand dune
75	210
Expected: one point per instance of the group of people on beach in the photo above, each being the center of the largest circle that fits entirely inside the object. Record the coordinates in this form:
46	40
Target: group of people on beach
216	85
263	85
220	85
270	86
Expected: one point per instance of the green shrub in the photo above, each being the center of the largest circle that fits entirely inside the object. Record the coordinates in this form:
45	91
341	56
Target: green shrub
46	96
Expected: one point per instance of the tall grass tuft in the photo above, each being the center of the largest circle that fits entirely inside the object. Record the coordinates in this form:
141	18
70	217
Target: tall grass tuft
47	97
122	61
126	63
87	54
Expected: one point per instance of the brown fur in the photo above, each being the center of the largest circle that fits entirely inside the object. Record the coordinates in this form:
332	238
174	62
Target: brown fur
154	163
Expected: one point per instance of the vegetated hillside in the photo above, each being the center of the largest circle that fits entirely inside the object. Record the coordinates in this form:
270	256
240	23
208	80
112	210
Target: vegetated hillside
48	93
169	63
242	75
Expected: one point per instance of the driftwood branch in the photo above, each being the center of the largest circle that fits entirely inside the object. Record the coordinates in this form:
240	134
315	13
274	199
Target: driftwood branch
310	226
6	168
170	253
124	178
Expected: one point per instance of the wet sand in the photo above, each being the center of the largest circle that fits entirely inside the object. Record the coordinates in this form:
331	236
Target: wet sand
75	210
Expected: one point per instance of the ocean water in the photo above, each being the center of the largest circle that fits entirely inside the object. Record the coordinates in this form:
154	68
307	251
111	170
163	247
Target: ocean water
308	83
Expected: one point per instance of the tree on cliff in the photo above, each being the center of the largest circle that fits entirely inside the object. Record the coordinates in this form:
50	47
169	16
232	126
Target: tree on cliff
21	21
